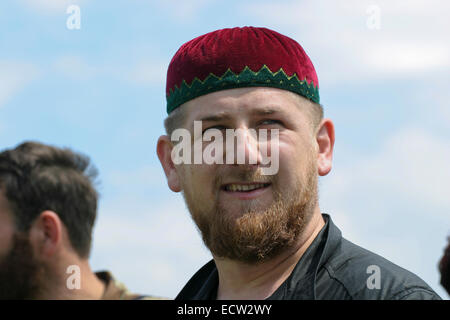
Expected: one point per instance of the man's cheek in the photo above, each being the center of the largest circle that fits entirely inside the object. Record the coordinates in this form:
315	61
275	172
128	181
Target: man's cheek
185	176
5	247
286	159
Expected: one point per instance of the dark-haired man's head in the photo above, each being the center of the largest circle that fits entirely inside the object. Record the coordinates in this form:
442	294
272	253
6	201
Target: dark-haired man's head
48	207
444	268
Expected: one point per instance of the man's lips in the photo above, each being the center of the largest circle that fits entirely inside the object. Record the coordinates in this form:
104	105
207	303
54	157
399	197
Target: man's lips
244	187
245	191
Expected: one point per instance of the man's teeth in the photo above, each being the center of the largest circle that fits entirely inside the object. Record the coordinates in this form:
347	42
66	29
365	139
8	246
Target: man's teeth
244	187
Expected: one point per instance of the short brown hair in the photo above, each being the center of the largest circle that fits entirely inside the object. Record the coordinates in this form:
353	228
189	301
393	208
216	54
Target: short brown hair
175	120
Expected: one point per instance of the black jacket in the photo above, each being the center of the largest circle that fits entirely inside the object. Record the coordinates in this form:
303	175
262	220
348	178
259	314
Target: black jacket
332	268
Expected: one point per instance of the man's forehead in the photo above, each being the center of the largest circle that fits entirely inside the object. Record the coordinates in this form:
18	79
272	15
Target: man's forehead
228	104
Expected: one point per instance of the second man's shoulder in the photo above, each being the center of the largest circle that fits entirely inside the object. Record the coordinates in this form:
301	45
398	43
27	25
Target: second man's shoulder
363	275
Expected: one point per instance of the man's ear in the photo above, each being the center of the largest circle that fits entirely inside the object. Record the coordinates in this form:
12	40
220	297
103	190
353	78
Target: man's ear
325	143
164	151
46	233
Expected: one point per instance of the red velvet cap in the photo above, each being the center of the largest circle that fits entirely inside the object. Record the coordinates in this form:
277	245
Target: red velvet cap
239	57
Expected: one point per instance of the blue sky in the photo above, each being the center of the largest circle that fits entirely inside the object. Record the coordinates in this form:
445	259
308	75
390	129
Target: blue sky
101	90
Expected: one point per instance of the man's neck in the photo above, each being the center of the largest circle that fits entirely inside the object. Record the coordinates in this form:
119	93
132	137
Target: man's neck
59	288
238	280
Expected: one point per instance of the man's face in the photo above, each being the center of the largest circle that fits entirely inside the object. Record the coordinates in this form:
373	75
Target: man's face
242	214
21	275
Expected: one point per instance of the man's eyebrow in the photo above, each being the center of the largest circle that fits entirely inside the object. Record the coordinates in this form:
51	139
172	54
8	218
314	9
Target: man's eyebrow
267	111
216	117
221	116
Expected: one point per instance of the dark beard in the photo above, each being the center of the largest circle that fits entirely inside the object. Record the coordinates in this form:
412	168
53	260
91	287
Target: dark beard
21	276
257	236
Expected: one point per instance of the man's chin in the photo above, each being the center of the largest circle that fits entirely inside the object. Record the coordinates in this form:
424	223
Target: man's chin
237	209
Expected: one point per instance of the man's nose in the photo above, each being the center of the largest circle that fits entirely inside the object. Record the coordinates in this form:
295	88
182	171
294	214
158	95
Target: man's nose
247	148
251	147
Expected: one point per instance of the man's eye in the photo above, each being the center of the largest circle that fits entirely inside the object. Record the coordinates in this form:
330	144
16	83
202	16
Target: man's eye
270	122
218	127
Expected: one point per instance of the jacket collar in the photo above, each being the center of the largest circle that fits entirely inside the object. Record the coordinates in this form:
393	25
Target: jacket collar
301	284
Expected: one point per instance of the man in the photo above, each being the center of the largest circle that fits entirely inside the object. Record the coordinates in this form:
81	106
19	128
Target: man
266	233
48	206
444	268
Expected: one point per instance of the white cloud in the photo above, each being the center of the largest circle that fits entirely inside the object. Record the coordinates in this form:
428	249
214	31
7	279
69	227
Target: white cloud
14	76
412	39
403	58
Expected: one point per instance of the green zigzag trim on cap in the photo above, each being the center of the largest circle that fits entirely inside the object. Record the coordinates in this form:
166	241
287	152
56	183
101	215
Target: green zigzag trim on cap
247	78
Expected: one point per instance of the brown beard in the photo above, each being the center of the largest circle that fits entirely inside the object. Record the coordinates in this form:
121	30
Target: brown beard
21	276
257	236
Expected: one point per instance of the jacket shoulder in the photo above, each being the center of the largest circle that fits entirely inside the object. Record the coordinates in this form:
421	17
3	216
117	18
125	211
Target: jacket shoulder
358	273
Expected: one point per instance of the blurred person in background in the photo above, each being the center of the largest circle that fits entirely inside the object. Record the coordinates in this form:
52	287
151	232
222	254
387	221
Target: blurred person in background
444	267
48	206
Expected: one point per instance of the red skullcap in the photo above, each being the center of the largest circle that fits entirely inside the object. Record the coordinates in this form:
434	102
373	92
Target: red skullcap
236	58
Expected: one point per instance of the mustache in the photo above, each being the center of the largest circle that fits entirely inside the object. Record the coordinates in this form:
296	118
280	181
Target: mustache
242	175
